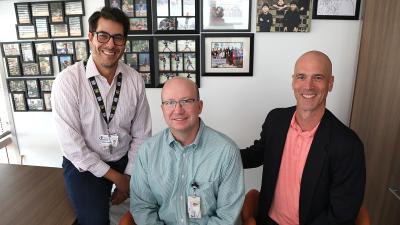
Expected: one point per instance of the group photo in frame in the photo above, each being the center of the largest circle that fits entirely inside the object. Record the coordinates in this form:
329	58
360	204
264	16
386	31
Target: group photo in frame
44	47
35	104
23	13
138	12
16	85
64	47
227	54
222	15
283	16
336	9
176	17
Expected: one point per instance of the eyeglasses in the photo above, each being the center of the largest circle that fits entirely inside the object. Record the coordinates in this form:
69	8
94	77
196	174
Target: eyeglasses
171	104
104	37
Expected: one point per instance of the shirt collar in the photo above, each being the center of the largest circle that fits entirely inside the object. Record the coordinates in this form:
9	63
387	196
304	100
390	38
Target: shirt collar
92	71
172	142
294	125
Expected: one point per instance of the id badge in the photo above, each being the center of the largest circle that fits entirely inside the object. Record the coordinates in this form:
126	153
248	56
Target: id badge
114	140
104	141
194	207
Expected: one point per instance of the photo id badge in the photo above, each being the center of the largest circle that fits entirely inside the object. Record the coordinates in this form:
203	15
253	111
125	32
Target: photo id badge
104	141
194	207
114	140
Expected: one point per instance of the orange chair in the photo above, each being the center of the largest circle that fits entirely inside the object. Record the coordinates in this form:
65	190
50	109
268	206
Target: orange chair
127	219
250	210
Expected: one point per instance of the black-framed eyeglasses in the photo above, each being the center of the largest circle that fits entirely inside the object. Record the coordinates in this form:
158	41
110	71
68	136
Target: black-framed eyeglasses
104	37
171	104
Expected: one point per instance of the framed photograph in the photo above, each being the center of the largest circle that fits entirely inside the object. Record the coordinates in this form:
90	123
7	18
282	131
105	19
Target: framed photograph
28	54
23	13
13	66
64	61
35	104
74	8
113	3
81	48
46	96
40	9
176	17
140	56
64	47
11	49
46	84
59	30
57	12
44	48
131	59
26	31
19	101
15	85
42	27
128	7
338	9
222	15
32	88
30	69
45	65
75	26
227	54
177	56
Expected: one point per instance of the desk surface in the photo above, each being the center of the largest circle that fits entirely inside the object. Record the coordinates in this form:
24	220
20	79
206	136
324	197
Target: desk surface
33	195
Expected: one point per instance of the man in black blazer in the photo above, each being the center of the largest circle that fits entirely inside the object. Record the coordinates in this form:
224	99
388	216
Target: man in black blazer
331	181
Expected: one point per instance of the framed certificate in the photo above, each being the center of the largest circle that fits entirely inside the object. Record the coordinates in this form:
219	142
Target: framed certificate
23	13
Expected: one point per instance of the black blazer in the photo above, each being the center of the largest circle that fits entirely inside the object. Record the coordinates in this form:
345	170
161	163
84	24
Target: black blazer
333	180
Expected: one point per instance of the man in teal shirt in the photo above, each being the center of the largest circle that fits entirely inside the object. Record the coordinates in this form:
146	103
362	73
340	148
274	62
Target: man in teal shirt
187	173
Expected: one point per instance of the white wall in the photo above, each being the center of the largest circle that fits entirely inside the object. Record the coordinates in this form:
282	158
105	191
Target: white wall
236	106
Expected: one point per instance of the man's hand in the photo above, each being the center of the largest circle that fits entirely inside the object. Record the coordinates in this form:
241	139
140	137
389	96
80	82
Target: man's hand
121	181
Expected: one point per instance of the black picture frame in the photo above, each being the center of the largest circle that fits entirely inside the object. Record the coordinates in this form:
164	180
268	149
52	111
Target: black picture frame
35	104
59	30
74	8
10	49
30	69
176	17
23	13
336	10
16	85
218	62
32	88
44	47
64	61
46	84
46	96
19	101
42	27
176	56
40	9
45	65
226	16
81	50
13	65
27	52
26	31
75	28
64	47
57	13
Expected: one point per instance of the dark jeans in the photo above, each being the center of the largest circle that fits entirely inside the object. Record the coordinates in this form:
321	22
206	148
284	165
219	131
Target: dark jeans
90	195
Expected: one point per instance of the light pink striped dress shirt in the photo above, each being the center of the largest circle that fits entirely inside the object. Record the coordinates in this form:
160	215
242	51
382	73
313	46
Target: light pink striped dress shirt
285	206
79	123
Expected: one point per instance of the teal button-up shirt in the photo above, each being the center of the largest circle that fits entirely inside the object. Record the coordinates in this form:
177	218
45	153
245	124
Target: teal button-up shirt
164	172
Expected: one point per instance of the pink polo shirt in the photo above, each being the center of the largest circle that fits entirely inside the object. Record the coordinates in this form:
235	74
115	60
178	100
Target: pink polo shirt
285	205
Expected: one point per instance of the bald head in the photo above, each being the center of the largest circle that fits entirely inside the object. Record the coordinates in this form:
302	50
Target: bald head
315	57
180	84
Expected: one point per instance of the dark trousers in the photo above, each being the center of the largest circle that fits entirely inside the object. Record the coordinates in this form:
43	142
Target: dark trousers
90	195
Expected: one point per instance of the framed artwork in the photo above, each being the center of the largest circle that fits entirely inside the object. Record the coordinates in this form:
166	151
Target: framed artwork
227	54
139	56
45	65
222	15
57	12
46	84
35	104
40	9
19	101
64	47
59	30
13	66
23	13
15	85
74	8
64	61
177	56
46	96
32	88
81	48
42	27
338	9
75	26
11	49
26	31
44	47
30	69
27	52
176	17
